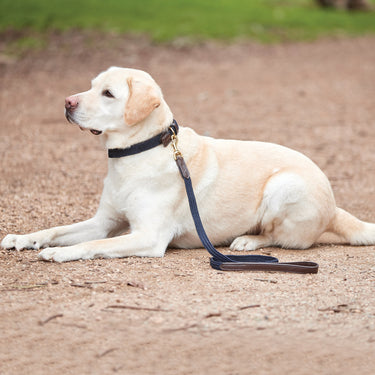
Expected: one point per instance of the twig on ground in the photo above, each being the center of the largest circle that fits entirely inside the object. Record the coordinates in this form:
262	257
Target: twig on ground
23	287
136	308
248	307
184	328
82	326
106	352
89	286
341	308
135	284
212	315
43	322
267	281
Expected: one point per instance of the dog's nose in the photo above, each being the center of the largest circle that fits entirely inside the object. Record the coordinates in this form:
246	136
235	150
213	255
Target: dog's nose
71	102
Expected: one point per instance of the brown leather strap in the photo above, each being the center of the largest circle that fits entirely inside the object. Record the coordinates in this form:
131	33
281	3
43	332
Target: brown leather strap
295	267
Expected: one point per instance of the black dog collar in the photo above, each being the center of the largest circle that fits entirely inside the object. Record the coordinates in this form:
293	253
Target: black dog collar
163	138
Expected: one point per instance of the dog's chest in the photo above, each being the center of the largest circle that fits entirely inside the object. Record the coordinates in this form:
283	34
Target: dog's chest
136	190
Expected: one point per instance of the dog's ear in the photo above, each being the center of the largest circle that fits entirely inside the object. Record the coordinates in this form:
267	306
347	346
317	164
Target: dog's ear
143	99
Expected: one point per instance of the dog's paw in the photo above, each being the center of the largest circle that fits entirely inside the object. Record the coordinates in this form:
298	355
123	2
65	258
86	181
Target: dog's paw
20	242
9	241
60	254
55	254
242	243
250	243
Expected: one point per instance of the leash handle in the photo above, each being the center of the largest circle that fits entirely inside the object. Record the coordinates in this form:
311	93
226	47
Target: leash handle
223	262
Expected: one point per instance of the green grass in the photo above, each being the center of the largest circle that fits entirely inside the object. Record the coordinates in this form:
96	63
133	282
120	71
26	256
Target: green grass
165	20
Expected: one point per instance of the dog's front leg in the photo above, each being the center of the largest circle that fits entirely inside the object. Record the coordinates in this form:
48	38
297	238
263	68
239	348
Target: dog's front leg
140	243
100	226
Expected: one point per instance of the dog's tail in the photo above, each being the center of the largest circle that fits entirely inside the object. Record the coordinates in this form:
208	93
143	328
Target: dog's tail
351	229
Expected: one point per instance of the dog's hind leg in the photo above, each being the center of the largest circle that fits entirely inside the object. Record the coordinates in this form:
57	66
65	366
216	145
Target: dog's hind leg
290	216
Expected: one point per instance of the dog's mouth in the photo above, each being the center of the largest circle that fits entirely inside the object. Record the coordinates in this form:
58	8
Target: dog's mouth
71	120
95	132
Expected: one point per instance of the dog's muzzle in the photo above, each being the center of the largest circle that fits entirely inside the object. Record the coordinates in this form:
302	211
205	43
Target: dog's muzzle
70	119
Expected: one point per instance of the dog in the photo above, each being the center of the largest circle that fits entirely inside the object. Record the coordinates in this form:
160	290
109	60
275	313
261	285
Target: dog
250	194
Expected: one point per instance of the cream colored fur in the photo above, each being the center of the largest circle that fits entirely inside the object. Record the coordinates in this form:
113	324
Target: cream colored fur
250	194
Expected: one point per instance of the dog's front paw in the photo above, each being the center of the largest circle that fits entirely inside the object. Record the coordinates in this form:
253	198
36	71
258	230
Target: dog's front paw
9	241
20	242
60	254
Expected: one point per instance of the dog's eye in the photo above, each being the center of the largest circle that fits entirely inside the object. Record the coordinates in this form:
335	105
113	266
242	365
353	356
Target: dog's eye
107	93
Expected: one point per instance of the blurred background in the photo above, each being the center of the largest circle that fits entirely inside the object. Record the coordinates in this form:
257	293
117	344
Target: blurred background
187	21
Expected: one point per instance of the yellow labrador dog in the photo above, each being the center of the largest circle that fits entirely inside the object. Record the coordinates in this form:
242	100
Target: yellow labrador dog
250	194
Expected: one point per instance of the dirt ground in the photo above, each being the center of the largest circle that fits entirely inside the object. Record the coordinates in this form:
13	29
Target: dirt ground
176	315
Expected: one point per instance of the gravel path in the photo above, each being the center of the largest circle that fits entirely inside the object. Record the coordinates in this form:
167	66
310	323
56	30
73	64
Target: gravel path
176	315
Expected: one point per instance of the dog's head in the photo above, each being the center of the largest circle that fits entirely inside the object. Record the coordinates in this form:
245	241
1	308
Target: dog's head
119	101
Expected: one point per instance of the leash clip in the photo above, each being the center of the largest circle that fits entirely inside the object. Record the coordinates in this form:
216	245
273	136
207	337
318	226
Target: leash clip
174	142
